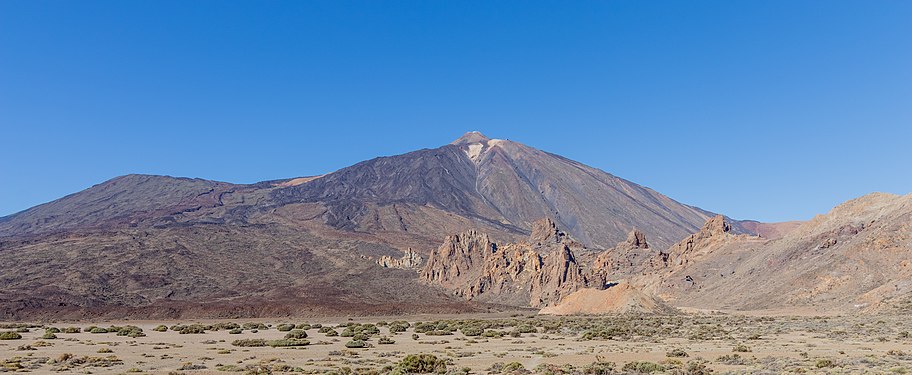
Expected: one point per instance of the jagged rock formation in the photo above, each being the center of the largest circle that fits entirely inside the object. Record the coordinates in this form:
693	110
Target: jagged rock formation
625	259
409	260
535	273
714	231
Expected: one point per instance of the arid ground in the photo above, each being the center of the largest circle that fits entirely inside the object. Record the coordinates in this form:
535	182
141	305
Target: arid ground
479	344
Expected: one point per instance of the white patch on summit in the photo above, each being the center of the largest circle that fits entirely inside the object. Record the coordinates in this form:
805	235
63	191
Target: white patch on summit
495	142
474	150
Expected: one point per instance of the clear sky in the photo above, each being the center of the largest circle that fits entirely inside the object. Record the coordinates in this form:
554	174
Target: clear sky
768	110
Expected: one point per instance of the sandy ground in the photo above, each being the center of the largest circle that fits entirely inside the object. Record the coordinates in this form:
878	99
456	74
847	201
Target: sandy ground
866	344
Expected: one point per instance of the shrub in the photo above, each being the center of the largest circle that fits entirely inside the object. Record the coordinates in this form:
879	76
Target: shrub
98	330
22	329
296	334
421	364
332	333
72	330
492	333
356	344
513	367
235	331
304	326
599	368
698	368
249	342
10	335
161	328
192	329
822	363
52	330
385	341
285	327
731	359
251	326
130	331
741	348
360	337
643	367
49	336
472	331
396	328
676	353
288	342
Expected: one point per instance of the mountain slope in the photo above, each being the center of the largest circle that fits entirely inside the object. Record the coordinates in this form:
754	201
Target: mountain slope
503	183
856	256
139	244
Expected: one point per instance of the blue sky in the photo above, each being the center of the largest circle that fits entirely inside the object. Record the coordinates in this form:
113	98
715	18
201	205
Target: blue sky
769	110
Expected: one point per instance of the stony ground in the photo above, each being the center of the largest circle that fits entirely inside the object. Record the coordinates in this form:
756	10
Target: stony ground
684	344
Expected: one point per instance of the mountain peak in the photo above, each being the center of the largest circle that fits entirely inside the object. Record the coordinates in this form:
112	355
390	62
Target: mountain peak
471	137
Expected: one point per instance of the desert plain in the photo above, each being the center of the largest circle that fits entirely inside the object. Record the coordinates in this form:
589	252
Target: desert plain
506	343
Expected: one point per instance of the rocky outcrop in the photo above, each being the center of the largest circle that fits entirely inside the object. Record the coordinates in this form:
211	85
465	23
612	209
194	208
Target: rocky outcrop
625	259
545	231
459	260
409	260
715	230
536	273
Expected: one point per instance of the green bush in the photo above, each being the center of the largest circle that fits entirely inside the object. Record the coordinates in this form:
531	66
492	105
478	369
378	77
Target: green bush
492	333
249	342
49	336
385	341
285	327
472	331
296	334
677	353
741	348
360	337
356	344
513	367
252	326
288	342
599	368
52	330
98	330
332	333
10	335
421	364
72	330
235	331
192	329
130	331
643	367
161	328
